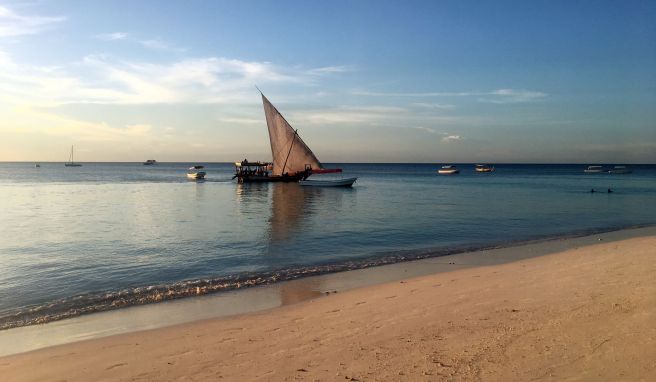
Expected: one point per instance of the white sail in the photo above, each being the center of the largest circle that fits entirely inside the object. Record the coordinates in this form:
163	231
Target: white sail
290	153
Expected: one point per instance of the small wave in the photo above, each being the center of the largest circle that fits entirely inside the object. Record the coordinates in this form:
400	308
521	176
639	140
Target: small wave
99	302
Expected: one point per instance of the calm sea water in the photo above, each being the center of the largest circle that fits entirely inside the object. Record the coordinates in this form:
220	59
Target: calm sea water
107	235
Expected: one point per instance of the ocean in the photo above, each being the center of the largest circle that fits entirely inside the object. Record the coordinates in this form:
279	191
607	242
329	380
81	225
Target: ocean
76	240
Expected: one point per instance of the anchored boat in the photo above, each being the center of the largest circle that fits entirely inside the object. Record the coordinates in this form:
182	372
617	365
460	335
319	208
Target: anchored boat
484	168
448	170
292	158
71	162
594	169
196	172
619	170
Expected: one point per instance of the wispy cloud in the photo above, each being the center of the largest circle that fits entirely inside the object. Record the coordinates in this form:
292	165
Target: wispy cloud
112	81
450	138
426	129
434	106
157	44
112	36
13	24
502	96
499	96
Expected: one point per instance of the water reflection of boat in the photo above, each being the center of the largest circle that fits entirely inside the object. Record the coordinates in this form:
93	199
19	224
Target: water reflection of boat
619	170
292	158
196	172
448	170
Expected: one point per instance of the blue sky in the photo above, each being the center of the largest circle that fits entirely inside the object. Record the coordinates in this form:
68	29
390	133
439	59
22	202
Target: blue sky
367	81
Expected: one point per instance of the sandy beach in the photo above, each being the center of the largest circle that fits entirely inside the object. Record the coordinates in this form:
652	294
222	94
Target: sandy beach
587	313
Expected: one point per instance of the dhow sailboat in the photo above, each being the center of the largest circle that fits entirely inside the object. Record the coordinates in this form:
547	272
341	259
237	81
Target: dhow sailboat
293	161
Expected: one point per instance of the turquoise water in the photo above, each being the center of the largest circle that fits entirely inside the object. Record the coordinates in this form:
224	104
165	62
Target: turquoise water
108	235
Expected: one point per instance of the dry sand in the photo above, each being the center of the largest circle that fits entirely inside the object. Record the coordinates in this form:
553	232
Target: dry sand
583	314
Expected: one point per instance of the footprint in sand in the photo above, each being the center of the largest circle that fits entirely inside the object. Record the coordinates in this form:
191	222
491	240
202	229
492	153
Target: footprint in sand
116	365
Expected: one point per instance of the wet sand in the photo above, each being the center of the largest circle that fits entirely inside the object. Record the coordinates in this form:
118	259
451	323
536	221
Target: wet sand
585	313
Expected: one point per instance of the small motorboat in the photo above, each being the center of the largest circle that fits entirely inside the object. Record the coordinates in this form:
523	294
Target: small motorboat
619	170
196	172
150	162
346	182
593	169
448	170
37	165
484	168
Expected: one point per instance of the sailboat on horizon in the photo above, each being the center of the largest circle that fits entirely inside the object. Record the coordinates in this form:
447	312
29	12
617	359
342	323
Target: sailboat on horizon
293	160
71	161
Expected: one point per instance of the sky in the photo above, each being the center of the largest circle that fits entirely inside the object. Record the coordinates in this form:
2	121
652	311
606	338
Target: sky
362	81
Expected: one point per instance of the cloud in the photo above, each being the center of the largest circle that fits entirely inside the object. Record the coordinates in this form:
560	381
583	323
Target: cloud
104	79
112	36
13	24
332	70
439	106
502	96
157	44
499	96
450	138
426	129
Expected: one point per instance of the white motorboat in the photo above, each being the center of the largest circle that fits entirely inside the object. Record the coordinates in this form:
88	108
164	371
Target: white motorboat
448	170
594	169
620	170
71	162
196	172
346	182
484	168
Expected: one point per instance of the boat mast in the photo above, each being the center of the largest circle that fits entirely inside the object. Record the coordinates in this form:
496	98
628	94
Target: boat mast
290	150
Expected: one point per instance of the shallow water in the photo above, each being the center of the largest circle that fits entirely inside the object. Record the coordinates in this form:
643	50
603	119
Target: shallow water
107	235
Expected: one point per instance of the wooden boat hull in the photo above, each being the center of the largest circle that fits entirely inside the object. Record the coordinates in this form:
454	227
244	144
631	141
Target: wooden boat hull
72	165
348	182
267	178
448	172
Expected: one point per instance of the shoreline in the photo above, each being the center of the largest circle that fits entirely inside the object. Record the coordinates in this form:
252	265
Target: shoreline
105	301
254	299
584	312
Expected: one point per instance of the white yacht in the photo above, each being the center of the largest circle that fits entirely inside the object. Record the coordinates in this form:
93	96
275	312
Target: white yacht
448	170
484	168
594	169
196	172
619	170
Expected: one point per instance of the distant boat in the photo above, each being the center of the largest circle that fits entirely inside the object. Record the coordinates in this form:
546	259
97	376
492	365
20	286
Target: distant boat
150	162
619	170
594	169
448	170
37	165
346	182
484	168
71	162
292	158
195	172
